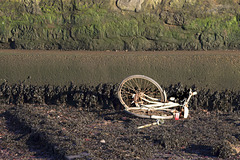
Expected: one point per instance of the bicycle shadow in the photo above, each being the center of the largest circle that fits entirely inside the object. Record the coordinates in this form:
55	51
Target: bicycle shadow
22	136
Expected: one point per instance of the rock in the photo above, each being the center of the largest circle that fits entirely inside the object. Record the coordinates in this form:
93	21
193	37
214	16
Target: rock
130	5
176	18
102	141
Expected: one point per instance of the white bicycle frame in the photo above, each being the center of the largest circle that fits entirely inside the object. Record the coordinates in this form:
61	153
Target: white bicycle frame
155	104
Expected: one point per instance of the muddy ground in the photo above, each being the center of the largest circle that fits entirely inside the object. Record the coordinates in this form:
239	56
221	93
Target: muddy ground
68	121
81	122
54	132
218	70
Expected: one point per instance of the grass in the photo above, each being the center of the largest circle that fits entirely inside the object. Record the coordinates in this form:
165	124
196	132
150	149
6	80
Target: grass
229	23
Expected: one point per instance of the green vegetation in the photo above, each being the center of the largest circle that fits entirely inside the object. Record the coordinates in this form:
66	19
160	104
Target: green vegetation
230	23
95	25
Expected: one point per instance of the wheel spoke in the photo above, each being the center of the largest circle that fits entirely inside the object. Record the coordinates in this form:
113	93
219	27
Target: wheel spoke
135	82
129	86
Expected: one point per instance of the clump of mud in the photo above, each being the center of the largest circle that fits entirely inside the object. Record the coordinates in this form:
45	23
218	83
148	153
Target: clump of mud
226	149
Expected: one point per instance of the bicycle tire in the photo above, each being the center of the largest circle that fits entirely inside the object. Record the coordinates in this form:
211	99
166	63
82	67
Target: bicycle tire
154	114
135	84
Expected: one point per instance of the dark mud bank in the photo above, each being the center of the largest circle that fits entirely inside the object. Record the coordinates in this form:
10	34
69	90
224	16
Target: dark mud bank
105	95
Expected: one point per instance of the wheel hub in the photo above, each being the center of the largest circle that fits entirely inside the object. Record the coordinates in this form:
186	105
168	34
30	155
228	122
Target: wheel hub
138	98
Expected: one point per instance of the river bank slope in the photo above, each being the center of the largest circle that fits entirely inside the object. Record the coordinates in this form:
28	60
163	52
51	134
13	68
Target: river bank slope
134	25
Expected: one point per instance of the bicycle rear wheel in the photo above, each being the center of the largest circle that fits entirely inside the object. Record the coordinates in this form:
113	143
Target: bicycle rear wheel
133	89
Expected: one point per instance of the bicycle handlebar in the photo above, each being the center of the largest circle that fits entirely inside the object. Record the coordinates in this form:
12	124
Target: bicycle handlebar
190	95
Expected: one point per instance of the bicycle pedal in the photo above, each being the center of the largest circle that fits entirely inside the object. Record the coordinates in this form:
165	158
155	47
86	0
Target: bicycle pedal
160	121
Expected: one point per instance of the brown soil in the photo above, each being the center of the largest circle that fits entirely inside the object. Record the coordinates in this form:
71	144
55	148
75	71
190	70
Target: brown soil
216	70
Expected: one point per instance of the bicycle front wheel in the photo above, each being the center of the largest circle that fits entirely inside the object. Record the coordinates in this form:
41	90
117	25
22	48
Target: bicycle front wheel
134	89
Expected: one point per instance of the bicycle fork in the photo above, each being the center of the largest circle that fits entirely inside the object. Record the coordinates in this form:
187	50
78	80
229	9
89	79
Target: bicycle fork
185	105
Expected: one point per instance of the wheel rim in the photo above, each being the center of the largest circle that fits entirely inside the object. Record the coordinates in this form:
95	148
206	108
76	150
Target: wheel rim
154	114
133	89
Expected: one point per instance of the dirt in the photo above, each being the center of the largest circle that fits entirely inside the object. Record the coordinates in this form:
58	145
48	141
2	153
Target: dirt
15	142
67	132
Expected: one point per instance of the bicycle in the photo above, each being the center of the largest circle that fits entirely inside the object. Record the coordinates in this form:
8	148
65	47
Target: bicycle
143	97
